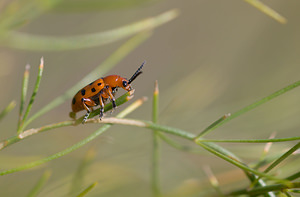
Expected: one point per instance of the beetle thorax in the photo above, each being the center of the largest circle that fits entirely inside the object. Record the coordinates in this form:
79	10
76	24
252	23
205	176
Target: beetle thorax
113	81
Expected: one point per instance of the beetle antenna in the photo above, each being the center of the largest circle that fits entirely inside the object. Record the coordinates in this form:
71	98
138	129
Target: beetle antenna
137	73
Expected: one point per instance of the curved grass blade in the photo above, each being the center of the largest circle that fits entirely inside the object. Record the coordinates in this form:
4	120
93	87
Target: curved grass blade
18	13
109	63
87	190
38	43
267	10
92	5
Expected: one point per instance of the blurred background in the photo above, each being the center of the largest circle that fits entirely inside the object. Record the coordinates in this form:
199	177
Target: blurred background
214	58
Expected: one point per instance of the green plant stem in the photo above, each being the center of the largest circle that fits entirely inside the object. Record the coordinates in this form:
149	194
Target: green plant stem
156	146
279	160
212	126
283	157
265	189
91	137
250	140
87	190
103	68
179	146
257	103
36	88
41	182
5	143
23	94
293	176
211	147
7	109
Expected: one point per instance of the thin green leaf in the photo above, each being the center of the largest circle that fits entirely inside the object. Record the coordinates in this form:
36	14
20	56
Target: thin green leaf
258	103
23	94
267	10
283	157
87	190
40	184
250	140
37	43
263	190
211	148
293	176
296	191
179	146
156	144
96	5
7	109
279	160
212	126
36	88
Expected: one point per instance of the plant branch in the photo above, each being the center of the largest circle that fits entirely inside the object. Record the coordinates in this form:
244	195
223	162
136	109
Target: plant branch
70	149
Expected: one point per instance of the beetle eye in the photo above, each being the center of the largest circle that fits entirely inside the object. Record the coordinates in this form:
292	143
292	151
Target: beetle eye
125	83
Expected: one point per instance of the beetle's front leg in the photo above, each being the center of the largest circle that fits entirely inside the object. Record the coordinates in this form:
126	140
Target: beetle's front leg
112	98
101	103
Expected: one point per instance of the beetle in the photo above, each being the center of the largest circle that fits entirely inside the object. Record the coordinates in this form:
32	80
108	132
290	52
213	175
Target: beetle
100	91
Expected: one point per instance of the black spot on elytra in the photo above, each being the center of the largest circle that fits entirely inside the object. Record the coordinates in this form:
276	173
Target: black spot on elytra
93	90
91	83
73	101
99	84
83	92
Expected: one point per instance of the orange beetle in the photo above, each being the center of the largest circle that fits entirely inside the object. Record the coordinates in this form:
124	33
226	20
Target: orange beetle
99	91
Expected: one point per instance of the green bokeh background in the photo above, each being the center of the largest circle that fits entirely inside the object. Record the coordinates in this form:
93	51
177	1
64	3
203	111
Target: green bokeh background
215	58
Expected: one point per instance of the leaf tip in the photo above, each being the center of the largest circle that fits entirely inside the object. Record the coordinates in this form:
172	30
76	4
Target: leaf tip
42	63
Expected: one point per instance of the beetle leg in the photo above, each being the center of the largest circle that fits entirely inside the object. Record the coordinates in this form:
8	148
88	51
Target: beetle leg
112	98
88	110
101	103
